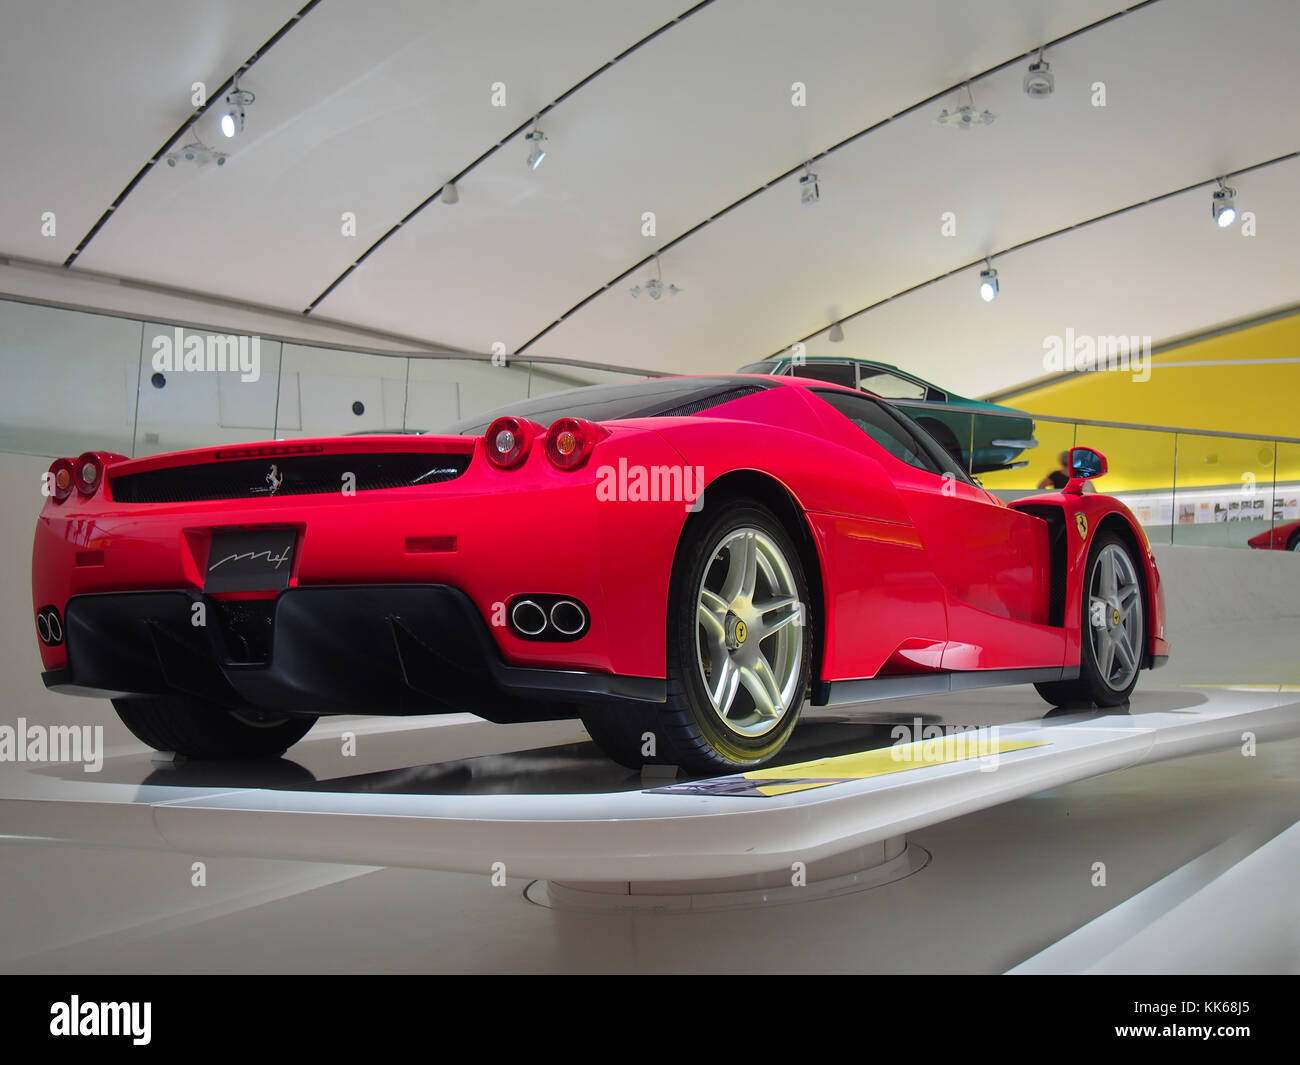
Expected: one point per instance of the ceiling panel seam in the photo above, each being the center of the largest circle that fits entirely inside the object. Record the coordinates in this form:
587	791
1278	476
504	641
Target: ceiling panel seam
483	158
1040	239
851	139
193	118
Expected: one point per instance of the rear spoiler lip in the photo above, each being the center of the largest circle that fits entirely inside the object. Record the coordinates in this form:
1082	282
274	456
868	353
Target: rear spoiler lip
273	449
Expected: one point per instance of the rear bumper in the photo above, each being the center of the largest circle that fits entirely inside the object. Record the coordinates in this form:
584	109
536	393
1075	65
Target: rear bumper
355	649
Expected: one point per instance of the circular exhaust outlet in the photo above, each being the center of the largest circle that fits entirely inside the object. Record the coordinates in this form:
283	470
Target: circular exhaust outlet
528	618
568	617
49	627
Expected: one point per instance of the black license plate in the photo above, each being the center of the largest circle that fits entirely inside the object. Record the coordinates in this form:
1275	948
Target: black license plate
250	561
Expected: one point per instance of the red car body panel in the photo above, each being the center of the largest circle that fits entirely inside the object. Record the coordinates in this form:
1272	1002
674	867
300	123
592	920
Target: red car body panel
531	530
918	573
1103	512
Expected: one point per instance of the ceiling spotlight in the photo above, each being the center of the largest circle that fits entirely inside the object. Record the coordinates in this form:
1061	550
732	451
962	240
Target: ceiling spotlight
197	153
966	116
1223	205
836	333
536	138
655	287
988	283
1039	81
232	121
808	191
450	193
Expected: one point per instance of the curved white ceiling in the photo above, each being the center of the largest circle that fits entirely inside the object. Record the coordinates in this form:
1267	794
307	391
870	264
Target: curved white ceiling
369	108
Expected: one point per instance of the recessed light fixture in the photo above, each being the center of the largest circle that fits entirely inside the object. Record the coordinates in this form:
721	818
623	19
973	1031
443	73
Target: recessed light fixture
232	120
536	138
966	116
809	193
988	283
450	194
1039	81
1223	205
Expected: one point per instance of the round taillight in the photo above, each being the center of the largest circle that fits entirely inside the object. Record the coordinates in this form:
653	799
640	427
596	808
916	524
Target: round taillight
88	471
61	479
566	443
507	441
570	441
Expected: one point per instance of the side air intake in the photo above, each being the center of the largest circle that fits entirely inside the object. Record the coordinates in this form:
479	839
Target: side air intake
699	405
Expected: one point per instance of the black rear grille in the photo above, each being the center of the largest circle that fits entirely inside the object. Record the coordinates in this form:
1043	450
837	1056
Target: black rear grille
246	628
292	475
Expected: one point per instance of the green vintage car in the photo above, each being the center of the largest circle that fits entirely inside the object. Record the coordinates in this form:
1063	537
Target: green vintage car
981	436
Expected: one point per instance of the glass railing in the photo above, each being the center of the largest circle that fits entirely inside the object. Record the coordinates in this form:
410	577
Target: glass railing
76	381
1183	485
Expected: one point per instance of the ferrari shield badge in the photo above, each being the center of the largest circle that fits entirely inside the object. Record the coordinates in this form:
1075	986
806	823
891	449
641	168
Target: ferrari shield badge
1081	521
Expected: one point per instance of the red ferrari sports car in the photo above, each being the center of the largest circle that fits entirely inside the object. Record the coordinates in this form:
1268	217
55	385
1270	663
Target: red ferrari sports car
1285	537
682	562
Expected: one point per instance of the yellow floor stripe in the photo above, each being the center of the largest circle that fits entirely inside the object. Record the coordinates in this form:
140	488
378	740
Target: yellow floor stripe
896	759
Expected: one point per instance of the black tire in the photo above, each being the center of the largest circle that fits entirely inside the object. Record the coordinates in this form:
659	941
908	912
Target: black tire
1091	688
629	735
199	729
686	730
1294	543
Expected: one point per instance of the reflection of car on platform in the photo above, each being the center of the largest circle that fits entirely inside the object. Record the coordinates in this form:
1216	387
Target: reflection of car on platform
1279	538
681	562
999	435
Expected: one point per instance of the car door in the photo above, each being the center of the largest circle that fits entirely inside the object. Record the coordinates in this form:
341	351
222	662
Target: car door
992	561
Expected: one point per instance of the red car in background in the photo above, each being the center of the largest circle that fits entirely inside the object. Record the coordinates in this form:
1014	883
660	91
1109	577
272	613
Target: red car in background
681	562
1279	538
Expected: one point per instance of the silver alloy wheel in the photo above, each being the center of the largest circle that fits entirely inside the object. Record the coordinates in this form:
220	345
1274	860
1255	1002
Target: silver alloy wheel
749	639
1115	617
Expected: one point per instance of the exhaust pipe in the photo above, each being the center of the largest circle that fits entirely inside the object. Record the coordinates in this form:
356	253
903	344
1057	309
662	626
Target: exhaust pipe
528	618
568	617
48	626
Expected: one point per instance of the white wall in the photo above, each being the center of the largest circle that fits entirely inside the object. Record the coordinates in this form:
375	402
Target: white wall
75	382
1214	586
69	380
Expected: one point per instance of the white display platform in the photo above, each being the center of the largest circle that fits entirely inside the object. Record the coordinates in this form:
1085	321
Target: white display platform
662	838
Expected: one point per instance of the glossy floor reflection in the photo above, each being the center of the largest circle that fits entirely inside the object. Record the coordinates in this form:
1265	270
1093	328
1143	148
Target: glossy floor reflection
555	758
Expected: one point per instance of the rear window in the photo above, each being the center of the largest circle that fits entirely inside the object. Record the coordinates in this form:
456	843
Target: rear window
655	397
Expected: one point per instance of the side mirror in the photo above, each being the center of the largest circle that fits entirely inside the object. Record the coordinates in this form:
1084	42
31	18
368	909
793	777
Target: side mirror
1085	464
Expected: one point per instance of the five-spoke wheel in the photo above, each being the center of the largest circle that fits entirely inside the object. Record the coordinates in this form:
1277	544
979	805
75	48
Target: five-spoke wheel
1115	616
739	650
749	650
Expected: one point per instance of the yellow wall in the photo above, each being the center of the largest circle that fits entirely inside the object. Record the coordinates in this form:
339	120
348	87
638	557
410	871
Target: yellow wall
1240	385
